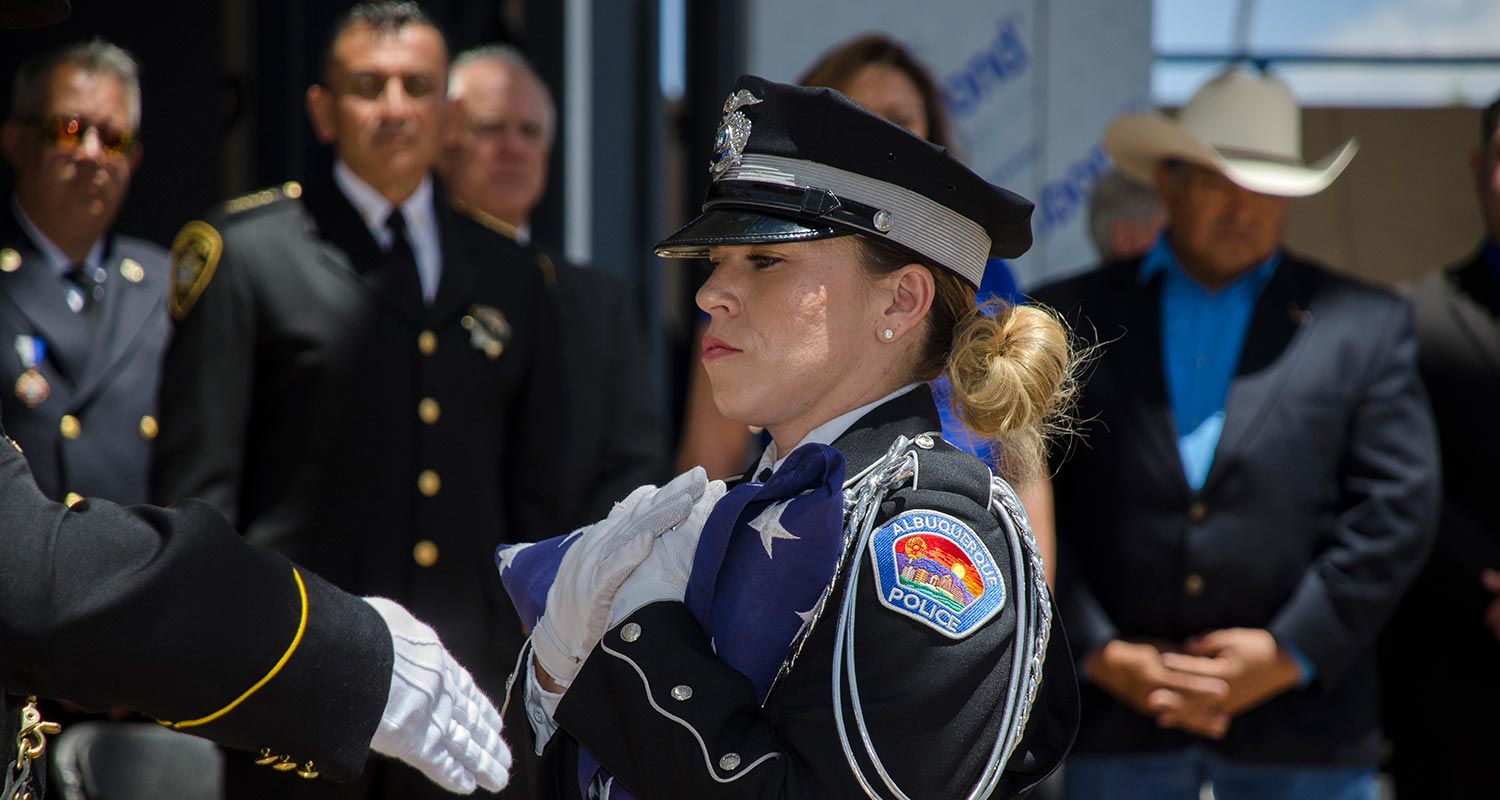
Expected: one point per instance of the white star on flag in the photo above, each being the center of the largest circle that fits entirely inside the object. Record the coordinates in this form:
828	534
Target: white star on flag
769	526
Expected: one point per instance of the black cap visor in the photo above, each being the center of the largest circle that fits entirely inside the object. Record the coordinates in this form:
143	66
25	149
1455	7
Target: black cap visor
722	226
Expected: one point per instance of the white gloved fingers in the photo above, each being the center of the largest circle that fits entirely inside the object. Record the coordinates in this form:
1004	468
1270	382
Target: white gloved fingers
475	739
690	484
489	764
435	718
673	502
628	504
623	564
663	575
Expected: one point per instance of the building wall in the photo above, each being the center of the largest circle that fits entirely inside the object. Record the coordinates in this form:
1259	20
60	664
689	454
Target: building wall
1405	206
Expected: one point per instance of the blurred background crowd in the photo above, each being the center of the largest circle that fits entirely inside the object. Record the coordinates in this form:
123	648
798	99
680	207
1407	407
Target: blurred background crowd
206	290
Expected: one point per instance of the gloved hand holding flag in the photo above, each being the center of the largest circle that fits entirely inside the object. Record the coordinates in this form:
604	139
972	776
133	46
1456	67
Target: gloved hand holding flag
765	556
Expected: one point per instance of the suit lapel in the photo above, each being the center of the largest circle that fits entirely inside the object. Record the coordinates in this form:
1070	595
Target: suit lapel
348	247
1474	300
40	296
126	309
463	261
1137	359
1265	362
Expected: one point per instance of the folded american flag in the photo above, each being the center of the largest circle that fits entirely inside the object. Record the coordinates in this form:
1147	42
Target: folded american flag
765	556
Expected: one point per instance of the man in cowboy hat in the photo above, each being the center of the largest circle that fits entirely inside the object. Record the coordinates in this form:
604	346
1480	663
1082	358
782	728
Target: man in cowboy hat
1261	484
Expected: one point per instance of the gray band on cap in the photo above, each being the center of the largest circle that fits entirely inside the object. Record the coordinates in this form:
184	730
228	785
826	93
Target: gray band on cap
949	238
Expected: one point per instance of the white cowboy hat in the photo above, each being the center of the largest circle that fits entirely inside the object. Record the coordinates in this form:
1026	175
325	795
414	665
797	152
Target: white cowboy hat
1245	126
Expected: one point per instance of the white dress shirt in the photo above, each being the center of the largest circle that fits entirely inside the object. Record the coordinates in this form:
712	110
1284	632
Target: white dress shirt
421	222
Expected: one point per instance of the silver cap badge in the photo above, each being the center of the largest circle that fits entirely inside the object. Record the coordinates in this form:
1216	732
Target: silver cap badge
734	131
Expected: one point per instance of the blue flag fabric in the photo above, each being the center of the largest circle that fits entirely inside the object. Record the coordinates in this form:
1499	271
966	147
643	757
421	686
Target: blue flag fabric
766	554
527	572
764	558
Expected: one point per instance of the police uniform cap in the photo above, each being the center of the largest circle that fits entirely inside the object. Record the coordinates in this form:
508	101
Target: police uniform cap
795	163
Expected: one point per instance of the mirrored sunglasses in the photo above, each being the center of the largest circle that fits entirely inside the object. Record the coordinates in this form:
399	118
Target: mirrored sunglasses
66	133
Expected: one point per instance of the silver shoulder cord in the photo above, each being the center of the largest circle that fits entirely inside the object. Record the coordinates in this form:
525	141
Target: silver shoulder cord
1033	618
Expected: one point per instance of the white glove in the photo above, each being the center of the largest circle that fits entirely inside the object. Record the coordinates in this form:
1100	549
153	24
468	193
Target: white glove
435	718
664	573
592	570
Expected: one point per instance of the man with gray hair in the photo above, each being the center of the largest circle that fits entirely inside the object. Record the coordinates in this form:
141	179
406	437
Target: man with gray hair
1125	217
83	307
496	170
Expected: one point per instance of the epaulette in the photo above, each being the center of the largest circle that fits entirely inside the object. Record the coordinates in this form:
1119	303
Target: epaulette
543	262
488	220
291	190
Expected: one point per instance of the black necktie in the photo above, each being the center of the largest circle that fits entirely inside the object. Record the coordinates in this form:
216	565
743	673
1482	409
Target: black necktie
765	475
90	291
401	260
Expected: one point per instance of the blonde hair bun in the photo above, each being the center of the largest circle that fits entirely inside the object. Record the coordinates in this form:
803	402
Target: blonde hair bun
1011	368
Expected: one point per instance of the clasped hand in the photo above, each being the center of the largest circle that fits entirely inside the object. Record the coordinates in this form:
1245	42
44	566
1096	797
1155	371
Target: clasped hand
1198	686
608	556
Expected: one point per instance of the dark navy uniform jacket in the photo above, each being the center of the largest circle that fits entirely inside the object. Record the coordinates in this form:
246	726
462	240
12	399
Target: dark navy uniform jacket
104	385
387	444
933	704
169	612
1316	512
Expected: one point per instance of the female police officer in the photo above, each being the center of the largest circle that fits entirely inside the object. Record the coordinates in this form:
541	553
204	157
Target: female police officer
922	658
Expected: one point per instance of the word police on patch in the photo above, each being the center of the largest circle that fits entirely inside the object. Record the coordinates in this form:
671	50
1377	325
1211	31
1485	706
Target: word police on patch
936	570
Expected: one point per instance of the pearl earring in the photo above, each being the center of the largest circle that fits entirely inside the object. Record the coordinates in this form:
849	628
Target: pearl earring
889	334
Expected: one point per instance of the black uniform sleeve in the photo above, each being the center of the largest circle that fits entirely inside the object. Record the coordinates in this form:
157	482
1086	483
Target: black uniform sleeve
206	394
170	612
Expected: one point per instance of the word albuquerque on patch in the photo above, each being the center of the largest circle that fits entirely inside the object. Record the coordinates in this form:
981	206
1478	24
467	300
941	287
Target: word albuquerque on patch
936	570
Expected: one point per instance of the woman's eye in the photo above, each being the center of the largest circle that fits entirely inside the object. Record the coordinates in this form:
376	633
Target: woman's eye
761	262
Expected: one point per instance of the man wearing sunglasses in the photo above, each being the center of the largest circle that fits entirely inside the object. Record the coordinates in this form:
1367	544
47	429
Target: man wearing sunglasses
82	315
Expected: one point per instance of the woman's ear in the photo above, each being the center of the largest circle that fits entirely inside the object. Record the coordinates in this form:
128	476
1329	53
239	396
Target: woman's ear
911	291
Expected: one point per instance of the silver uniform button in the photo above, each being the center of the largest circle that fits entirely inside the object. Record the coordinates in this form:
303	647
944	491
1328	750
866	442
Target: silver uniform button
730	762
630	632
682	692
925	441
882	220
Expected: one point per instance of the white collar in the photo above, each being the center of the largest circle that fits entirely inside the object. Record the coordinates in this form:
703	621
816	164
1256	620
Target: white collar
825	433
59	260
374	208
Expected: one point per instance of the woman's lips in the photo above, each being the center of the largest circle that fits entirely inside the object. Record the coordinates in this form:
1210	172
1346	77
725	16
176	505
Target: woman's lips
714	348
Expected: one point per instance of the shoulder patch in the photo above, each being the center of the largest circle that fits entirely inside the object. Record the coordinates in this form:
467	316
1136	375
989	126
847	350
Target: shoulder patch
935	569
195	254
